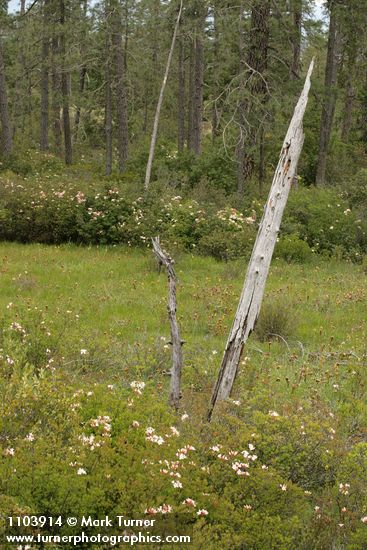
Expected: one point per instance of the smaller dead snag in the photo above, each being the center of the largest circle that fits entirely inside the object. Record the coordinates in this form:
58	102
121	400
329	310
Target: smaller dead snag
177	357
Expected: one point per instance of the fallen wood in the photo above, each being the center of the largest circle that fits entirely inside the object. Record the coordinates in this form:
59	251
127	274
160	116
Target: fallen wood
177	357
253	290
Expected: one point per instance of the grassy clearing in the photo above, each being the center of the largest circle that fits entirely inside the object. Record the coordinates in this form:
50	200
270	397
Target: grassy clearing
120	299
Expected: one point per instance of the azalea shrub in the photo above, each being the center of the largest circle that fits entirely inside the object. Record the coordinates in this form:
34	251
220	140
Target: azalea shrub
46	208
81	447
323	218
56	215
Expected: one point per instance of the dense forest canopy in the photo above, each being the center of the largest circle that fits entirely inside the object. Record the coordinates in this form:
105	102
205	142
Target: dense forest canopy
81	77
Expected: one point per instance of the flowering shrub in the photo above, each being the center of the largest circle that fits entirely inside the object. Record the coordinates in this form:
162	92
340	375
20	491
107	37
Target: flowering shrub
55	216
323	219
105	448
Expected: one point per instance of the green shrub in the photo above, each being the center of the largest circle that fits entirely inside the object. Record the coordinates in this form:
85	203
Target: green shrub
322	217
292	249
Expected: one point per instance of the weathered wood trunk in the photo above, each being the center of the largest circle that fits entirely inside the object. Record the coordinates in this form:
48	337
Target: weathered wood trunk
257	272
177	356
160	101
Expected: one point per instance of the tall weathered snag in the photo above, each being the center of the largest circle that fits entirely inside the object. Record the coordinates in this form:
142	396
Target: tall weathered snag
177	357
257	272
160	101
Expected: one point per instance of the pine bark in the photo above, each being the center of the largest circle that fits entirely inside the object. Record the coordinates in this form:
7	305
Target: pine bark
6	138
120	89
68	150
330	93
83	73
296	8
108	95
181	94
56	95
256	90
44	144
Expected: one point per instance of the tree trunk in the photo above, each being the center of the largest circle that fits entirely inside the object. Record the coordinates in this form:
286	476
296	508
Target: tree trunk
190	107
296	9
56	90
121	102
83	73
257	272
348	106
216	67
44	145
160	101
255	86
65	86
330	93
6	138
181	94
108	96
198	94
18	111
177	357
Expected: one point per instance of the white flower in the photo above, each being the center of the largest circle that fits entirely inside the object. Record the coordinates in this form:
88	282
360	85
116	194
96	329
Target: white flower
202	512
273	413
83	352
177	484
135	424
81	472
137	386
283	487
344	488
29	437
174	431
9	452
251	447
184	417
364	519
247	507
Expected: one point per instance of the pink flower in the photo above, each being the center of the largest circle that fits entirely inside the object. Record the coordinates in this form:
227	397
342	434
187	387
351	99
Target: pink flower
189	502
151	511
364	519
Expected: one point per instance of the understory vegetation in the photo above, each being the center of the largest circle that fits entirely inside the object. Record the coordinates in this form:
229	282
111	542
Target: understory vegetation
47	203
86	429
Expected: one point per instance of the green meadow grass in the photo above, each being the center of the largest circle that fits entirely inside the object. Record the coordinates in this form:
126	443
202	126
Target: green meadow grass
120	300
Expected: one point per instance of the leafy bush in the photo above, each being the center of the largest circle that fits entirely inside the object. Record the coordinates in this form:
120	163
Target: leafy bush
292	249
323	218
